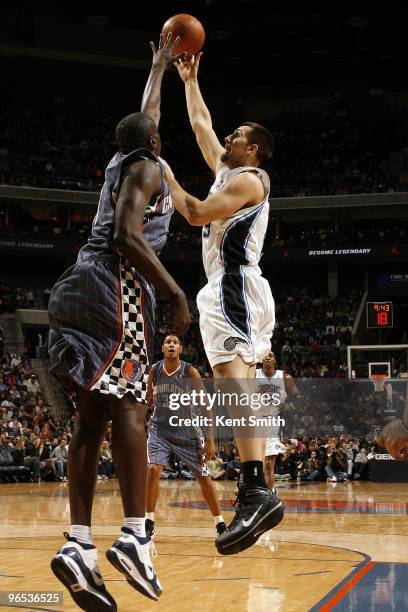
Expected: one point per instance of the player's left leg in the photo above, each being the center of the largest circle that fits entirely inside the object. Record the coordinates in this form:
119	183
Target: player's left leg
259	509
75	564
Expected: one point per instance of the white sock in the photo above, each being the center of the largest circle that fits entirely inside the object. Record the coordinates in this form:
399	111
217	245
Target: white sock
218	519
82	533
137	525
150	516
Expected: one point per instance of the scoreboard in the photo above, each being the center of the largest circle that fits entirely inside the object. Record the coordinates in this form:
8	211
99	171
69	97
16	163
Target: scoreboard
379	315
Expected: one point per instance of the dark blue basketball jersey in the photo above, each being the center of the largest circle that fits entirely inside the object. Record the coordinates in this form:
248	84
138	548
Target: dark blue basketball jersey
164	385
157	215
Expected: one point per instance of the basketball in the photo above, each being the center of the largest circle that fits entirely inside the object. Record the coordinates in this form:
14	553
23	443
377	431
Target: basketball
189	29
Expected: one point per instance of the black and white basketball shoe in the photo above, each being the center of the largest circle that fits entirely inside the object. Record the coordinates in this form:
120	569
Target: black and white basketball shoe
131	555
258	511
76	566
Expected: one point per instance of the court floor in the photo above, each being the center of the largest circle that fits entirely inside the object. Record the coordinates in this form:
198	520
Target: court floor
341	546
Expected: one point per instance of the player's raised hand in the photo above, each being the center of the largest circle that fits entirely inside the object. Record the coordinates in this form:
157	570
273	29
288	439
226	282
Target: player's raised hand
394	437
188	67
163	56
180	318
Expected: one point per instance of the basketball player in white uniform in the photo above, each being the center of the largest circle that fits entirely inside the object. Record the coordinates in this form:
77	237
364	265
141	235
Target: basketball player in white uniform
274	381
237	311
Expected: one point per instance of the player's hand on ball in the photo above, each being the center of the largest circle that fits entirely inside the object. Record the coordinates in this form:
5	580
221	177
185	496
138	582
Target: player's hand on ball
394	437
188	67
163	56
180	319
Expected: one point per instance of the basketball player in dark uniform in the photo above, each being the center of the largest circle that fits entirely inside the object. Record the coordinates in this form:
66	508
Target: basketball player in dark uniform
167	376
101	315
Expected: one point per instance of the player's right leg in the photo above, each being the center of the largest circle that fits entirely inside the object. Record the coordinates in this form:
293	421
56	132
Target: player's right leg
131	553
75	564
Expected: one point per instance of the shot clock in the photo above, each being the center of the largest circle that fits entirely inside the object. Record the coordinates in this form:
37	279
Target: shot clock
379	315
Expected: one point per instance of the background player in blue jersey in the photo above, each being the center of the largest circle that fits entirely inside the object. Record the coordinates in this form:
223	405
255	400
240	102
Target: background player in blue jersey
101	315
188	444
237	310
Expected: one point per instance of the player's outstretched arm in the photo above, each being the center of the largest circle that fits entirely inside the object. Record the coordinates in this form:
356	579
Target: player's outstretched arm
198	113
162	59
141	182
242	190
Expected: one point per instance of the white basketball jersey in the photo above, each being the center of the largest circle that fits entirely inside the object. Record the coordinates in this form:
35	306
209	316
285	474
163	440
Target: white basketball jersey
238	240
272	384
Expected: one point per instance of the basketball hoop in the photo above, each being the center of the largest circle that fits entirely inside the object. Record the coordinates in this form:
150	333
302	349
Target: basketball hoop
379	382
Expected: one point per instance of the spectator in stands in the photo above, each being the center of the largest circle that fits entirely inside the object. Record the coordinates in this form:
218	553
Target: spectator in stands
234	466
285	465
33	386
300	457
216	468
224	455
106	466
336	468
60	457
349	452
15	428
42	452
361	464
22	457
4	440
312	468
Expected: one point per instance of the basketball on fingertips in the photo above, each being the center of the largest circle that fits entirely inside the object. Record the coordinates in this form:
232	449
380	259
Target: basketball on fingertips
190	30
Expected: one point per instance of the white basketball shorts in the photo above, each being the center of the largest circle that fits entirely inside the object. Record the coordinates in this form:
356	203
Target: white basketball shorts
237	316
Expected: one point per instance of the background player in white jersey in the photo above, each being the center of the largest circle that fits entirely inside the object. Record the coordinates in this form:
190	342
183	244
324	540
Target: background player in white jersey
188	444
237	312
274	381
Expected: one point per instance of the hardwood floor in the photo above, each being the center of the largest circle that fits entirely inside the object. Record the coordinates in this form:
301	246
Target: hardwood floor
329	531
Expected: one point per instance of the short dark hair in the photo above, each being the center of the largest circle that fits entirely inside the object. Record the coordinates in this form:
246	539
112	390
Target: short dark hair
261	136
133	131
173	336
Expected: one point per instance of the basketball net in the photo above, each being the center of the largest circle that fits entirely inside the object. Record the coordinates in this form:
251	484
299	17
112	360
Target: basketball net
379	382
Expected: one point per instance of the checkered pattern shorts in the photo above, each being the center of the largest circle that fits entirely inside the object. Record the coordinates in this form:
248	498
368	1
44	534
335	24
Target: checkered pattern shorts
126	371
